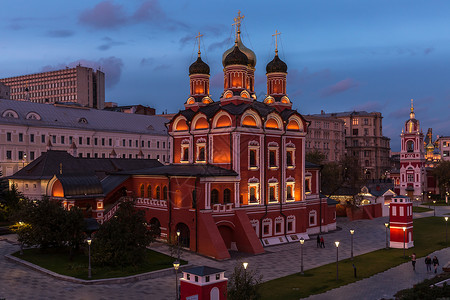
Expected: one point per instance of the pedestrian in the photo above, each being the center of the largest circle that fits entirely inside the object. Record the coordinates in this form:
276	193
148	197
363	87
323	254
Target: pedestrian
435	264
428	263
413	261
322	242
318	242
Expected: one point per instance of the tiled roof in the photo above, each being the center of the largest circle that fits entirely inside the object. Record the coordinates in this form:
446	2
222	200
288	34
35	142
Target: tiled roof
53	162
65	116
203	271
205	170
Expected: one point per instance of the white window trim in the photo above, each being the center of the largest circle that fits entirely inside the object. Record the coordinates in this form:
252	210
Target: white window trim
267	222
200	145
274	185
308	178
312	213
253	146
290	149
256	185
290	219
277	159
290	183
185	144
279	220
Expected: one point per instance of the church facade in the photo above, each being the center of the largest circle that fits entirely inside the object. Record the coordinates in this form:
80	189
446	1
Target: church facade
238	179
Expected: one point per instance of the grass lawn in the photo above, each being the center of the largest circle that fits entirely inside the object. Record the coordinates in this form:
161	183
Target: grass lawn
429	236
419	209
57	260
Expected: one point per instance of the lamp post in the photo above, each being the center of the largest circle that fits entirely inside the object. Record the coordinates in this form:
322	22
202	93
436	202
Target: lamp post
387	226
337	259
245	264
302	241
176	265
446	219
404	233
178	243
429	199
89	241
352	231
434	203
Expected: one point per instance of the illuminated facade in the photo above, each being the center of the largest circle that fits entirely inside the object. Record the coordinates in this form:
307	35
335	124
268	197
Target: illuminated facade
413	176
401	223
80	85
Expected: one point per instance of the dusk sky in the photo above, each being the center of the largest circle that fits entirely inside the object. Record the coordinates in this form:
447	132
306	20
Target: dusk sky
341	55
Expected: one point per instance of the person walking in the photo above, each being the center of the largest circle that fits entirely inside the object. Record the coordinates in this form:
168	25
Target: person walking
322	242
435	264
413	261
318	242
428	263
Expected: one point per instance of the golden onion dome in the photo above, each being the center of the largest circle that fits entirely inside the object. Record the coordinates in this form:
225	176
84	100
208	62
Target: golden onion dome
249	53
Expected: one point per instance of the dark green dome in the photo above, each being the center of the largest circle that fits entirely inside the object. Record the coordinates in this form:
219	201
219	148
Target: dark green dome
276	66
235	57
199	67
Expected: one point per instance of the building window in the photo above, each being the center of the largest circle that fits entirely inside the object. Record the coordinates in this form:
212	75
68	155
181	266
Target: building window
253	194
267	227
43	139
226	196
312	218
142	191
123	143
110	142
355	121
32	155
149	191
20	137
272	158
164	145
185	152
273	192
290	191
253	155
31	138
290	224
157	145
142	144
410	146
165	193
88	141
20	154
400	211
8	136
63	139
201	148
279	225
158	192
214	197
206	278
218	276
308	178
355	131
95	141
136	143
411	177
394	211
129	143
8	154
148	144
103	141
80	140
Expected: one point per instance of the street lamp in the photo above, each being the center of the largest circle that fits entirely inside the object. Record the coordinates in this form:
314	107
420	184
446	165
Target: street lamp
337	260
351	234
387	225
89	241
24	160
434	203
404	233
446	219
176	266
245	264
302	241
178	243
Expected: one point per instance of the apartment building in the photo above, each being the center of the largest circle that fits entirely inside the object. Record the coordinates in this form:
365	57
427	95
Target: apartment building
81	85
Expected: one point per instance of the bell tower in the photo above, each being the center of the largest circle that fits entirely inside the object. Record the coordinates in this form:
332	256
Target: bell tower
412	159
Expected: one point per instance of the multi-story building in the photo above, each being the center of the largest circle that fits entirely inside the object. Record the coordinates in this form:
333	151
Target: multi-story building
444	147
364	139
28	129
130	109
4	91
326	134
80	85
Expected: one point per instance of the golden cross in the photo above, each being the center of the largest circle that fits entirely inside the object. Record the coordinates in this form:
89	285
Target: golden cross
198	37
276	40
237	21
412	106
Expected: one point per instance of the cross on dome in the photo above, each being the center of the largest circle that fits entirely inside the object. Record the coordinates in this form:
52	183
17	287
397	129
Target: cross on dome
198	37
276	41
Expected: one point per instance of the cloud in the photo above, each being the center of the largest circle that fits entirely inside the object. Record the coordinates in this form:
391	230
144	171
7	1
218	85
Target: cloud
402	113
219	45
339	87
147	62
108	43
60	33
428	50
111	66
107	15
151	62
305	75
370	106
104	15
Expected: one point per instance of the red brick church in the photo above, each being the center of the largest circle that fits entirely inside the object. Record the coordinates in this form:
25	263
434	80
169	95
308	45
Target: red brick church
238	179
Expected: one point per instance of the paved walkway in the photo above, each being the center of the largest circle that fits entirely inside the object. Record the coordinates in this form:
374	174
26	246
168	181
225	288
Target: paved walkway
18	282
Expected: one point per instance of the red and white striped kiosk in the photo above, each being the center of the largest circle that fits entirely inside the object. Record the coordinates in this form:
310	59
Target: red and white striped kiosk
401	222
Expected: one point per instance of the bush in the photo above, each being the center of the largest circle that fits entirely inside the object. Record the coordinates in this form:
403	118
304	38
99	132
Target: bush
244	284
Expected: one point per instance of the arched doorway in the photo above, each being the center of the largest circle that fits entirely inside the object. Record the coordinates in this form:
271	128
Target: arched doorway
184	238
227	235
155	226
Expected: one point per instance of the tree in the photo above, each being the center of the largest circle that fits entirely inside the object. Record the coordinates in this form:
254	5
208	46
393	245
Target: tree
442	174
74	228
315	157
244	284
123	239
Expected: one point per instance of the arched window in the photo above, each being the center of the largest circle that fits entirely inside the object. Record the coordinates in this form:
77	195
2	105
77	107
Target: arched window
186	153
214	196
142	191
410	146
149	191
181	125
165	192
158	192
201	154
227	196
249	121
253	194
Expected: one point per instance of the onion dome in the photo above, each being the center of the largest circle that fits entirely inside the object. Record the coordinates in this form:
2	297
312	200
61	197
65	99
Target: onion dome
199	67
235	57
249	53
276	66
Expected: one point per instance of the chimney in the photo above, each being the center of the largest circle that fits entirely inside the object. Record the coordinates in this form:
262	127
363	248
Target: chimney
322	112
